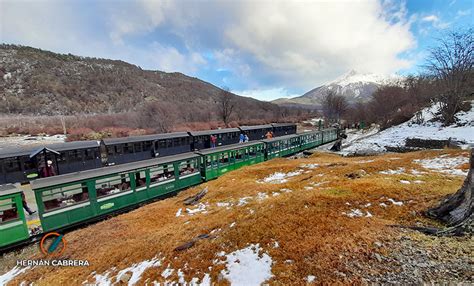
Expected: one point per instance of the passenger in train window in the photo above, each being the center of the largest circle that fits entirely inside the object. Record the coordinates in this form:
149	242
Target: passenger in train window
269	135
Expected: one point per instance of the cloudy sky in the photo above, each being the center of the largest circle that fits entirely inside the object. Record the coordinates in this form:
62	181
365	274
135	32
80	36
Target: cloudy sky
265	49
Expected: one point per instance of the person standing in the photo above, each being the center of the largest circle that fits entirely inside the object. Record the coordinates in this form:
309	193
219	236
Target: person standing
213	141
241	138
48	170
268	135
246	138
25	204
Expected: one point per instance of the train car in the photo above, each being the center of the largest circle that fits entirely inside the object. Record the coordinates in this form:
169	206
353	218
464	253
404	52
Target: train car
226	136
310	139
257	132
13	228
217	161
24	164
67	200
282	129
329	135
281	146
136	148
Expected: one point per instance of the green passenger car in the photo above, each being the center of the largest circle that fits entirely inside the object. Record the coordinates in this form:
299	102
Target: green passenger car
13	226
220	160
282	146
329	135
69	199
310	139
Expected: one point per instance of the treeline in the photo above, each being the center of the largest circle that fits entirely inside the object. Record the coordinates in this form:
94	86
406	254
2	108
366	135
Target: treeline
447	80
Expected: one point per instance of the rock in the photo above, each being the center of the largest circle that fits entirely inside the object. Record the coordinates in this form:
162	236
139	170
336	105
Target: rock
378	257
124	278
378	244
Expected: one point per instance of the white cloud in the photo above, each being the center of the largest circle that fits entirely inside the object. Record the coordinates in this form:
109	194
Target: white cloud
430	18
436	22
297	44
267	94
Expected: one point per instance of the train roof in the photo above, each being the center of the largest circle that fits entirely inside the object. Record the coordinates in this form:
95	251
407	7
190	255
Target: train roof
244	128
104	171
153	137
8	189
280	138
215	131
227	147
28	150
283	124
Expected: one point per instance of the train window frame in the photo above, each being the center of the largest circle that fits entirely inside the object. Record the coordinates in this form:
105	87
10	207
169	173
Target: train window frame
15	161
239	155
191	163
137	178
222	157
166	169
121	178
78	188
8	202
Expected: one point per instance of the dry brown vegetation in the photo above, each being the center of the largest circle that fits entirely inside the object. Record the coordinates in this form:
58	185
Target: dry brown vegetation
308	225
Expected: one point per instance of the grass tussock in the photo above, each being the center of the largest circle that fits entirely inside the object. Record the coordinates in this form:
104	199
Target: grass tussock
299	223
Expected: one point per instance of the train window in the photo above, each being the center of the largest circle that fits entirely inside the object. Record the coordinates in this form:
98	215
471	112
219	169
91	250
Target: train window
169	143
90	153
162	144
129	147
65	196
28	164
224	159
188	167
161	173
112	185
176	142
12	164
239	155
140	179
138	147
147	145
8	210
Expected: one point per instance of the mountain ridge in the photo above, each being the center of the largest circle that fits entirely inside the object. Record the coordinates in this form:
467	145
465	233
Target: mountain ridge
39	82
354	86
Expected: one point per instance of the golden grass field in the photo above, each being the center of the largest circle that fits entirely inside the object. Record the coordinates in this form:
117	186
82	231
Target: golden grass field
313	235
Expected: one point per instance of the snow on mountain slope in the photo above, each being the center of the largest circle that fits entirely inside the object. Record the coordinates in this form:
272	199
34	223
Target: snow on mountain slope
352	85
395	136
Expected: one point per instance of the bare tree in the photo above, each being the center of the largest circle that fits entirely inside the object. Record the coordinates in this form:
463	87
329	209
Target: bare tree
451	63
226	105
334	106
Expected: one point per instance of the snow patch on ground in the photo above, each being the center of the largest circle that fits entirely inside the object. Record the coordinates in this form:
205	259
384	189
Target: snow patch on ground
279	177
200	208
310	278
309	166
10	275
445	164
357	213
395	136
393	172
138	269
246	267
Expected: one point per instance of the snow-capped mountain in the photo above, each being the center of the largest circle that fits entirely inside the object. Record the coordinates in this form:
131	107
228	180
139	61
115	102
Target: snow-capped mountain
352	85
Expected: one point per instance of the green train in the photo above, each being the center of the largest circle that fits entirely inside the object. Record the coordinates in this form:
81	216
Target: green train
68	200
